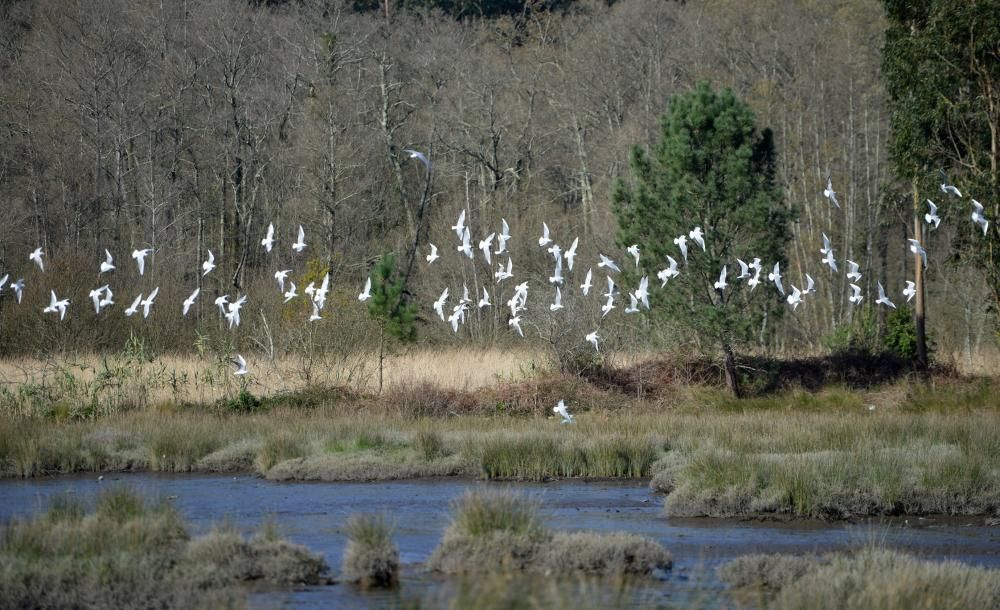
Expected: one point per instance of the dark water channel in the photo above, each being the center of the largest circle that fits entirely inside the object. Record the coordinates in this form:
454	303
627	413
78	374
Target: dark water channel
312	514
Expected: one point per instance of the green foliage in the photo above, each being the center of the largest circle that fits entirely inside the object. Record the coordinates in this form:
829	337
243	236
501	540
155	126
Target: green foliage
900	334
389	304
711	168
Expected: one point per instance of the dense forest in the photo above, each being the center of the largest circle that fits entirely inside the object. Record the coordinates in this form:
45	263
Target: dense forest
189	126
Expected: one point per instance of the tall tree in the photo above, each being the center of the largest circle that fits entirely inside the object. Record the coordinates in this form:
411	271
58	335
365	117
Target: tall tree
941	62
711	168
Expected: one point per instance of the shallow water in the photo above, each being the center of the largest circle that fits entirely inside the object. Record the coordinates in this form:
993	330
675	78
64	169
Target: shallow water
312	514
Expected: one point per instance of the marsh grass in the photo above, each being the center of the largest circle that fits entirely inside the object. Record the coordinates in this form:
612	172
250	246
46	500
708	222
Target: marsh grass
500	530
371	559
543	456
870	578
130	553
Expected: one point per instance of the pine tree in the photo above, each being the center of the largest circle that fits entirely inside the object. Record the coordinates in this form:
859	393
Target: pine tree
713	169
390	307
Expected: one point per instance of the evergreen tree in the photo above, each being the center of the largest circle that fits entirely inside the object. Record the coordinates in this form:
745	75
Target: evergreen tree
711	168
390	307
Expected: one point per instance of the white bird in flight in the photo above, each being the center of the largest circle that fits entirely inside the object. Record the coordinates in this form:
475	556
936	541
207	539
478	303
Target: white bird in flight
221	303
775	276
486	245
515	323
642	293
55	304
544	239
585	286
916	248
932	217
910	290
233	315
268	241
280	276
433	256
607	262
633	304
188	302
241	365
300	243
855	297
502	273
853	272
682	244
794	299
948	188
698	237
977	216
291	293
140	258
634	251
96	296
36	256
810	285
829	193
557	304
827	250
721	284
147	303
208	265
485	301
570	254
466	247
882	298
557	277
109	262
608	306
134	307
592	339
503	237
563	412
367	292
670	272
439	304
459	227
18	288
744	270
416	154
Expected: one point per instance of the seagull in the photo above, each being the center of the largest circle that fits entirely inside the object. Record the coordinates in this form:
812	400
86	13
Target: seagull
561	410
268	241
916	248
794	299
95	296
18	288
37	257
140	258
611	287
515	323
503	237
932	216
698	237
554	250
433	256
607	262
544	239
721	284
633	304
852	273
634	251
188	302
466	247
827	249
367	292
208	265
485	301
683	245
300	244
775	276
241	366
977	216
810	285
280	276
3	280
855	297
134	307
439	304
608	306
221	303
557	305
502	274
669	272
57	305
948	188
416	154
233	315
570	254
592	339
465	300
585	286
458	315
109	262
882	299
147	303
459	227
756	265
485	246
319	294
291	294
557	277
744	270
315	314
642	293
754	281
829	193
910	290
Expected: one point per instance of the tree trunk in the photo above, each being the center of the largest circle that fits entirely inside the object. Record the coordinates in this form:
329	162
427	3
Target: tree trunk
732	381
919	309
381	355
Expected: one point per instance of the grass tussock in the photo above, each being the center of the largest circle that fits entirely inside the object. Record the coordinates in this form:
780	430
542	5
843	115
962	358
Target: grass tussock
497	530
128	553
872	578
370	559
544	456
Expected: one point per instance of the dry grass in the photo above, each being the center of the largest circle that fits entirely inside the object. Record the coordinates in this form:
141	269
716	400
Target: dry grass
370	559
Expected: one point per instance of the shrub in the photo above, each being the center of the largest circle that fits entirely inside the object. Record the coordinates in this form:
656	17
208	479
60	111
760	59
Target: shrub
371	559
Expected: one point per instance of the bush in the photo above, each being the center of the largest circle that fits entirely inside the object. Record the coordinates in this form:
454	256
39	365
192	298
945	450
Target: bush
371	559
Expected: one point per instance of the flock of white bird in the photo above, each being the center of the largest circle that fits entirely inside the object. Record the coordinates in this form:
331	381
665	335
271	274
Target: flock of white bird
229	308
